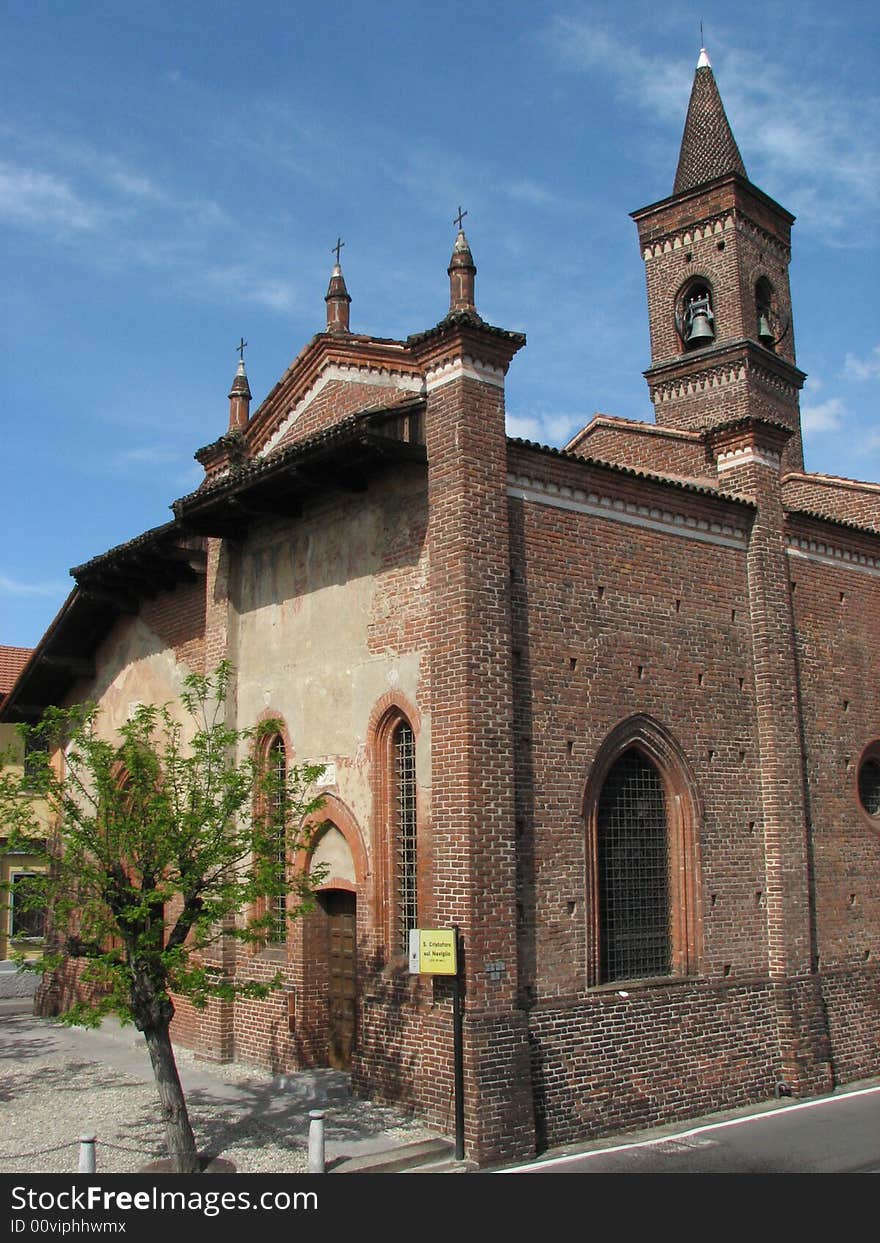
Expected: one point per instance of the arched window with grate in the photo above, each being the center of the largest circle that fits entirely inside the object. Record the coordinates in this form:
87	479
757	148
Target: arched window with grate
642	817
633	872
276	763
399	902
868	784
403	760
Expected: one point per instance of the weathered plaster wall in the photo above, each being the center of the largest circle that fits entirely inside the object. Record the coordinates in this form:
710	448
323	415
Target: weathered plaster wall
313	606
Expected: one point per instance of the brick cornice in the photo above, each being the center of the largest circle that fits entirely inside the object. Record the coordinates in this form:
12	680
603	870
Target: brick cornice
720	365
463	338
733	190
618	509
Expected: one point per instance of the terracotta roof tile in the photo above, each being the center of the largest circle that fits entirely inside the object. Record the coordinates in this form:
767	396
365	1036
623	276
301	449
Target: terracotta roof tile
12	661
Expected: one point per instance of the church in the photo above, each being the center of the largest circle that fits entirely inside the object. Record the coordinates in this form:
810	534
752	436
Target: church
612	709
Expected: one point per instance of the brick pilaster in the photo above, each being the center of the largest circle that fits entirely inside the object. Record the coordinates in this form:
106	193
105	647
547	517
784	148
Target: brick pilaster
472	759
748	460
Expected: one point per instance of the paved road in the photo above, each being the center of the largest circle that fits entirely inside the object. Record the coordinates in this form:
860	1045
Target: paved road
836	1134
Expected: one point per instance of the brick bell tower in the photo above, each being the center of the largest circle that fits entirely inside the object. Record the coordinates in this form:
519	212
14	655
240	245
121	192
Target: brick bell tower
716	258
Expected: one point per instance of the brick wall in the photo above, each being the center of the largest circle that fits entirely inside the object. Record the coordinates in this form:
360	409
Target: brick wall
841	500
836	609
606	1063
648	447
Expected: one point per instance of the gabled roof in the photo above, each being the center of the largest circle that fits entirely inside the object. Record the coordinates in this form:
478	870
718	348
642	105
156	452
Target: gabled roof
708	147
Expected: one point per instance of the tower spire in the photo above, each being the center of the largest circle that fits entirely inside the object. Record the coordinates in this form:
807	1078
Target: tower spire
239	394
708	147
337	296
462	271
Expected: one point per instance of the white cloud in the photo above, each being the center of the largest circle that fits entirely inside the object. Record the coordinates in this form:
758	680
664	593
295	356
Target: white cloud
863	368
15	587
34	198
147	455
802	140
550	428
246	285
526	190
825	416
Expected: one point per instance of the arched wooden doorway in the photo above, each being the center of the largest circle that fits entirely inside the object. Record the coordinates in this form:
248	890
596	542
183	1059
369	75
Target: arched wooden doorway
339	909
332	944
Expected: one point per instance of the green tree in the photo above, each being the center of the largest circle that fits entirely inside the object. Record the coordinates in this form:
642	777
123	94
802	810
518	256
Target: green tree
165	838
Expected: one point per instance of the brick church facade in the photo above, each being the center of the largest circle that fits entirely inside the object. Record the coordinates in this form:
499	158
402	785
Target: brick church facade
611	709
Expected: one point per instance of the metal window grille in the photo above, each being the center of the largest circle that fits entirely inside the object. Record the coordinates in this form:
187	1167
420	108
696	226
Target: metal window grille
278	770
27	912
405	836
633	872
869	786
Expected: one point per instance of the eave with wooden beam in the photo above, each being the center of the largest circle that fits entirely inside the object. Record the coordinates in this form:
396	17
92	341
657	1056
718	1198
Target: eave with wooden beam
108	587
343	457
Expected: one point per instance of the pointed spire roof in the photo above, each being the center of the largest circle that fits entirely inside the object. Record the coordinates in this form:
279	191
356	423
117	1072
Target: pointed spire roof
239	396
337	297
462	271
708	147
240	386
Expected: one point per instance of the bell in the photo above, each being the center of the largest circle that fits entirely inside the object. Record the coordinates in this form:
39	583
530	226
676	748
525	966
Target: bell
700	331
765	335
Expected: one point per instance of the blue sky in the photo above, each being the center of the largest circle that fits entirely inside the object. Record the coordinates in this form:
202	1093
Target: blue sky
173	176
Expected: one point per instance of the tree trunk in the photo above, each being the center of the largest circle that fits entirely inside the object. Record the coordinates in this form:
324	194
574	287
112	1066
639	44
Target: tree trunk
175	1118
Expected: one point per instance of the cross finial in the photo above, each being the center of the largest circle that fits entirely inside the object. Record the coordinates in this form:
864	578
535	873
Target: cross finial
334	250
240	348
461	215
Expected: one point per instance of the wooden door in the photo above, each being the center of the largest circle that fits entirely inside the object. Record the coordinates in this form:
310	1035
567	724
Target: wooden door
341	908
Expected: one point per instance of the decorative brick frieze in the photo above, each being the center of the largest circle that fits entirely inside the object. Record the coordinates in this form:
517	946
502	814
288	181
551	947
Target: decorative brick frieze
463	368
669	242
746	455
616	509
833	555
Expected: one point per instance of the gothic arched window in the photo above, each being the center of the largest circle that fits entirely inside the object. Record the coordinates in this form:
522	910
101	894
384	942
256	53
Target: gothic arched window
642	818
403	809
633	872
393	751
276	765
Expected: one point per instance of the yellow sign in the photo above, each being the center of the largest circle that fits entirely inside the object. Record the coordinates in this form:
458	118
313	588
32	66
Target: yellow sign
432	951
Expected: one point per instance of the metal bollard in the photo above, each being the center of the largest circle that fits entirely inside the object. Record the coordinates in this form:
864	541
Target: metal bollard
87	1154
316	1141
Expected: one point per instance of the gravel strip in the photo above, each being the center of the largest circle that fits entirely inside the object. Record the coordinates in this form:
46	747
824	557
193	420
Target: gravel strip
57	1083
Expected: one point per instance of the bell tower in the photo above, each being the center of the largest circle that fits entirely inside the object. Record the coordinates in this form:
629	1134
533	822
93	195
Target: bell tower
716	259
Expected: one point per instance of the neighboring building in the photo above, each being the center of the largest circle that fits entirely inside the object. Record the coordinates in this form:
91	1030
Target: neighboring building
22	928
612	709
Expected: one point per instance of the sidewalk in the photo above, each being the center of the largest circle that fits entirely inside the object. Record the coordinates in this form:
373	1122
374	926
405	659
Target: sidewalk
57	1083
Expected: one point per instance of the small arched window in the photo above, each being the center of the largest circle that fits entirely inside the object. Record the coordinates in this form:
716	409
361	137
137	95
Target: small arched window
403	809
765	316
276	764
399	906
869	784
